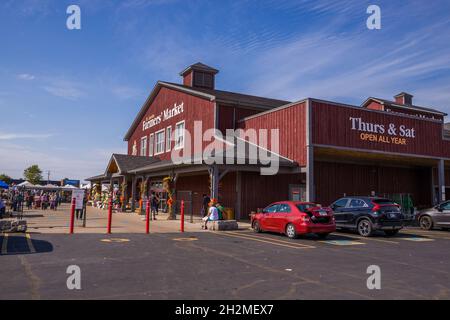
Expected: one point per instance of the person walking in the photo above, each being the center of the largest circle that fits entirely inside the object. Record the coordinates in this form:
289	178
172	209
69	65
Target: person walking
154	202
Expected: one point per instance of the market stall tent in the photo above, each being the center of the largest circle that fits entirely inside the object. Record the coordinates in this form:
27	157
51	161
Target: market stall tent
3	185
27	184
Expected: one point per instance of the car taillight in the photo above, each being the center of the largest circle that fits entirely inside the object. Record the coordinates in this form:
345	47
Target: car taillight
305	218
376	207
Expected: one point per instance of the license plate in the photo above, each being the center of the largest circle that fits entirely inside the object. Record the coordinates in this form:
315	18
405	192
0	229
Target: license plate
392	215
323	213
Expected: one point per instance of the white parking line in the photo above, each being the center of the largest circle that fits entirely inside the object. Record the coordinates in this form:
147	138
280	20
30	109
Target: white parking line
30	243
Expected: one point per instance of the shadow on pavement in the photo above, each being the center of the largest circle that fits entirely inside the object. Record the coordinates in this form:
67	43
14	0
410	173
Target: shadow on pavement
13	244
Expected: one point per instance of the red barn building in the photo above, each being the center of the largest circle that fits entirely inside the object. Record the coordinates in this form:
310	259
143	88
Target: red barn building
326	149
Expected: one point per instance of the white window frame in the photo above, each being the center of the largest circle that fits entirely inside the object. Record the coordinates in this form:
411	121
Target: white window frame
163	131
177	135
168	138
151	145
143	151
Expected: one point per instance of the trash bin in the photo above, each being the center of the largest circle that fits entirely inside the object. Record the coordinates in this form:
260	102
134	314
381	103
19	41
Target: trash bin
228	214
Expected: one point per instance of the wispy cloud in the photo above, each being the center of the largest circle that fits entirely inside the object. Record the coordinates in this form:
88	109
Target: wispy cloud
64	89
16	136
15	158
126	92
26	77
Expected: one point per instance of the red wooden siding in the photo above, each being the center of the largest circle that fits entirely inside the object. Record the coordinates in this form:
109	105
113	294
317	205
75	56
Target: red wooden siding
291	122
195	109
334	180
187	79
259	191
331	125
198	185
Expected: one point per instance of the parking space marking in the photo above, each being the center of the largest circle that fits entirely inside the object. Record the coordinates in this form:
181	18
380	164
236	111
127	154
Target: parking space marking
342	242
438	235
5	244
115	240
30	243
227	234
418	239
253	235
375	239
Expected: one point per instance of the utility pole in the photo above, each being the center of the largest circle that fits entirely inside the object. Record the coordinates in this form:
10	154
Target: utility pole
48	176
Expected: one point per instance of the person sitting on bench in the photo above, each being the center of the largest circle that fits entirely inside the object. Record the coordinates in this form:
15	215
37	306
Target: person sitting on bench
213	215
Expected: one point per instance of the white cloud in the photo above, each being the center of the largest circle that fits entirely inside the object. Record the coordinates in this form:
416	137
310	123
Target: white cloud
26	77
126	92
90	162
16	136
64	89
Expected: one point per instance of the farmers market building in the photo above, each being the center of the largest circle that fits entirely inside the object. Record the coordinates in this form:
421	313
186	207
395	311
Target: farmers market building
326	149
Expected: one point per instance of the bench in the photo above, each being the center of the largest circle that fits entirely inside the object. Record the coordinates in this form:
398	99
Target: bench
225	225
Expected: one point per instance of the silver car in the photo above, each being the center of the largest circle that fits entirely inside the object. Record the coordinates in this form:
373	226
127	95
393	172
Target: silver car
437	217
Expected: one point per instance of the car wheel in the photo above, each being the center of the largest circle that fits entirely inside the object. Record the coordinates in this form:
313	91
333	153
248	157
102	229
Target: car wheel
256	227
365	228
290	231
323	235
426	223
391	232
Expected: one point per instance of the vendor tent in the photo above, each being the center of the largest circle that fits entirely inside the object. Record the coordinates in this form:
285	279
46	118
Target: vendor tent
3	185
26	184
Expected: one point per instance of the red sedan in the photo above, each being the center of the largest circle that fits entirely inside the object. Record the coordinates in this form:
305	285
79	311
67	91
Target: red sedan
295	218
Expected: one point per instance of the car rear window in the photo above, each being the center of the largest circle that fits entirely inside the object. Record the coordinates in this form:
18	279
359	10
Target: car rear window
304	207
384	202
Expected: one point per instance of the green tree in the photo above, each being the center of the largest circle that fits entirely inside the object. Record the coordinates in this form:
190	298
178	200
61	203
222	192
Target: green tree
33	174
5	178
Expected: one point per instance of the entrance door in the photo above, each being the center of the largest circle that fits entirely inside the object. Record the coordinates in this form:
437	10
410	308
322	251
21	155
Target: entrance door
185	196
297	193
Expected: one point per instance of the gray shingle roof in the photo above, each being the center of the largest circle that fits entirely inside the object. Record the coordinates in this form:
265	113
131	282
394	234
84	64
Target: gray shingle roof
419	108
127	163
236	98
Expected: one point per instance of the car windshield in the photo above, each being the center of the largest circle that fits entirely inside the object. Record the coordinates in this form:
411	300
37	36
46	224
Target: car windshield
304	207
384	202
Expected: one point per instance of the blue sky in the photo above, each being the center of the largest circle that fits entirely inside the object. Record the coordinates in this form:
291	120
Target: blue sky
68	97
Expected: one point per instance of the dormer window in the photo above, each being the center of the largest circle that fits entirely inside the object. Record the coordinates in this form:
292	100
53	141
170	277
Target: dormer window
199	75
203	80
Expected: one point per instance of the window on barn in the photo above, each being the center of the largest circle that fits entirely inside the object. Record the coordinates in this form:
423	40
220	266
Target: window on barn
143	146
160	142
179	135
168	139
204	80
152	142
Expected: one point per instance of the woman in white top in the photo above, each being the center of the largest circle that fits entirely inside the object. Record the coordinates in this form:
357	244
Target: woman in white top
213	215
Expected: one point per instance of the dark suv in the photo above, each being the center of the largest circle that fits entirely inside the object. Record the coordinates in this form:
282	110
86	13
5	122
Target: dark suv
368	214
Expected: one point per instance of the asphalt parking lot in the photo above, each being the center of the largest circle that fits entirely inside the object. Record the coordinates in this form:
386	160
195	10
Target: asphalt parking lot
227	265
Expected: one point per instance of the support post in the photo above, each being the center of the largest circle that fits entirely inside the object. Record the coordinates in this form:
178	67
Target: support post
147	221
182	216
441	175
109	215
214	174
72	215
238	194
310	194
133	194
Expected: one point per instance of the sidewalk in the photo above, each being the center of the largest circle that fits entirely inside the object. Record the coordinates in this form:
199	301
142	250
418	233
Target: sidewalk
57	222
